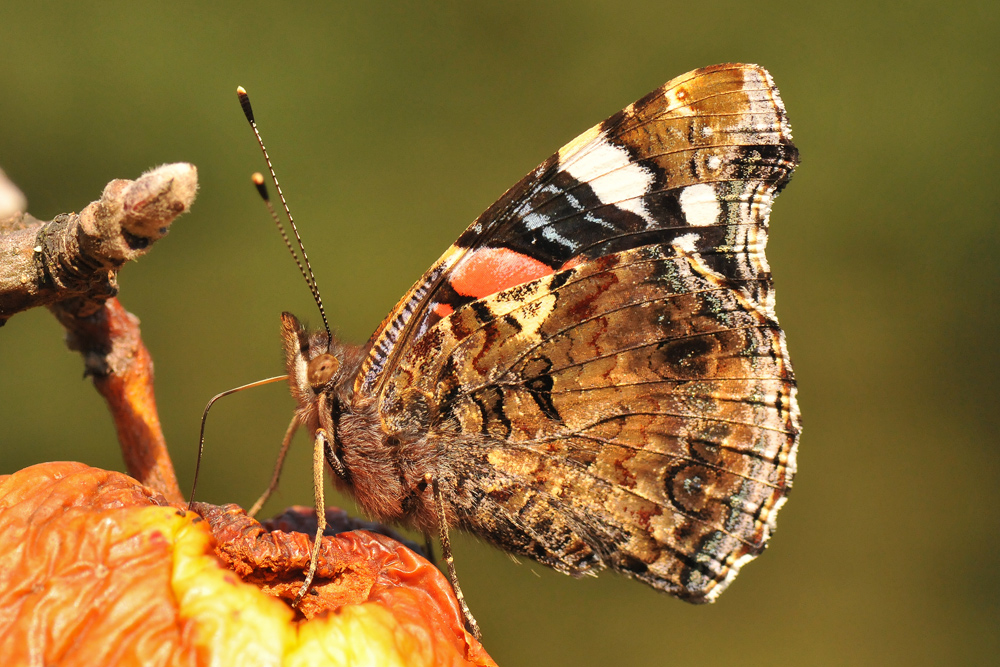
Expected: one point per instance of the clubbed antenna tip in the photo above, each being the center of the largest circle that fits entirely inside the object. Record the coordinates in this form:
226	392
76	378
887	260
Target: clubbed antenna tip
258	181
241	92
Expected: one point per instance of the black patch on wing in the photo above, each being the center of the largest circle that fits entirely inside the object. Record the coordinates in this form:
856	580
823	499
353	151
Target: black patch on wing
539	384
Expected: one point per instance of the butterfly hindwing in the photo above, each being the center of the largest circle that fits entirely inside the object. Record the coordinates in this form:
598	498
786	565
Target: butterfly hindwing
598	352
653	422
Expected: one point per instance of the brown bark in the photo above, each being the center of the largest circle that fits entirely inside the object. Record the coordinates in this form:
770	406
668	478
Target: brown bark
73	260
70	264
122	370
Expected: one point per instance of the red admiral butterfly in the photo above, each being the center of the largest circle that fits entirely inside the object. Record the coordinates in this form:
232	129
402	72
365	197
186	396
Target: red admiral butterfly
592	375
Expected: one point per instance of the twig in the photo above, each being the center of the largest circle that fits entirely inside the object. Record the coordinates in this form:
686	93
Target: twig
122	370
74	259
70	265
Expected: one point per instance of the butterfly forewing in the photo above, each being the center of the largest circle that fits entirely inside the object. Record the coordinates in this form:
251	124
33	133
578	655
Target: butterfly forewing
700	157
598	353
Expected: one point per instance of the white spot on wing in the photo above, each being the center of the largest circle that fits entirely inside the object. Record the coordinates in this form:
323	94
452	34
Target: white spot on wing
685	243
535	220
612	174
700	205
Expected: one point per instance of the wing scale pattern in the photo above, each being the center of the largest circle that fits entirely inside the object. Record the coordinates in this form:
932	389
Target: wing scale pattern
598	353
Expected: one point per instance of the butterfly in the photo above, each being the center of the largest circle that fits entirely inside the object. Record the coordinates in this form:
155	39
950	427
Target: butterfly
592	375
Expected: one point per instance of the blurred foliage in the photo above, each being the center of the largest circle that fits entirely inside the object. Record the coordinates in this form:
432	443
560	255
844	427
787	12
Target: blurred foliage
394	125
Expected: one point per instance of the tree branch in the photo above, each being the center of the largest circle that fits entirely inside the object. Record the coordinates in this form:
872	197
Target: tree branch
74	259
122	370
71	265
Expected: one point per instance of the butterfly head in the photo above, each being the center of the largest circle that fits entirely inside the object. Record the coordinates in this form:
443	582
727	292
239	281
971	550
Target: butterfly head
321	370
313	360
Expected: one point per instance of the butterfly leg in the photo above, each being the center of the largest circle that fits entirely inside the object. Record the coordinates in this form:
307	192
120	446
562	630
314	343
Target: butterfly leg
273	486
318	459
470	621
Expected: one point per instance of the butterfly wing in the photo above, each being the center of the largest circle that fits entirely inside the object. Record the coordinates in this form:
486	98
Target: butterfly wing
599	353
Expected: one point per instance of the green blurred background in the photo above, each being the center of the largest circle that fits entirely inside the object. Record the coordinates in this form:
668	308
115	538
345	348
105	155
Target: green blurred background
394	126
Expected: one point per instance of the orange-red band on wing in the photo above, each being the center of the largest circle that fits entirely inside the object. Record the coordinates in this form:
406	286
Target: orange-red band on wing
443	310
490	270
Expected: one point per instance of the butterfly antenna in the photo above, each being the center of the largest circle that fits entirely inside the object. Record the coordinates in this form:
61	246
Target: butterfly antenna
258	181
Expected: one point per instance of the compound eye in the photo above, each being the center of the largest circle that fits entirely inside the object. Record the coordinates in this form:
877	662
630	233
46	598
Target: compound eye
321	369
